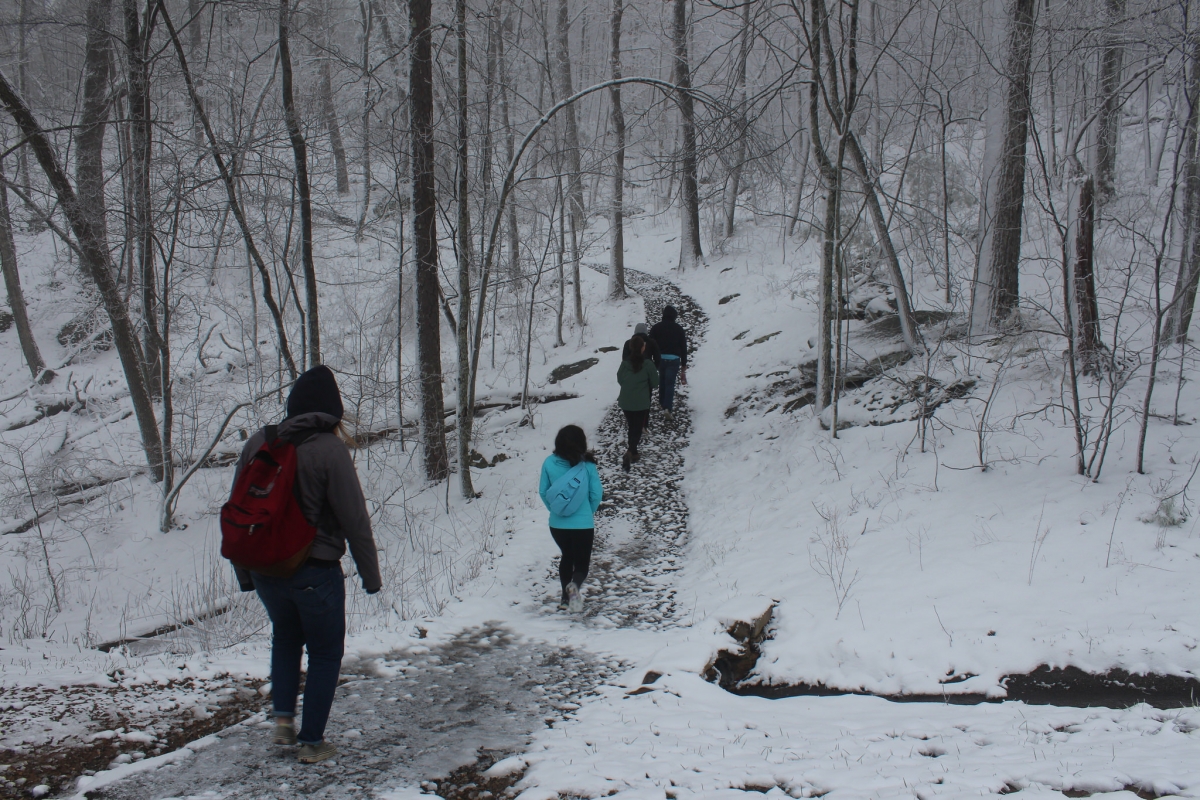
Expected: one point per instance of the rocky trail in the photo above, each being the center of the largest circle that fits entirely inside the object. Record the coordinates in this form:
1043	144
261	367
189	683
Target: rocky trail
643	523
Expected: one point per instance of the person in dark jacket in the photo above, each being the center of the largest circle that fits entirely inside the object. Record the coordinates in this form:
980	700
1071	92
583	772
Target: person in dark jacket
638	378
672	340
308	610
573	534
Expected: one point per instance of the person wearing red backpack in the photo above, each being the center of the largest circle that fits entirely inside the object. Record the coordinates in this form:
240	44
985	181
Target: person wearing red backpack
307	607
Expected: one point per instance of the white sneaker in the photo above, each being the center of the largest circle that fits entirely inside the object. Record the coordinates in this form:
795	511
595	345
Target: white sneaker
574	598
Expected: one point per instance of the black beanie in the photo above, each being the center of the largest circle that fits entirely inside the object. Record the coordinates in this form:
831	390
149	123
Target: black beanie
669	313
315	390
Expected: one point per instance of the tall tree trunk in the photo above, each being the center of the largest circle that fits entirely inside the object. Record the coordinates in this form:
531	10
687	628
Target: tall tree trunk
300	157
734	183
465	412
138	79
1108	130
514	241
16	298
487	152
1179	312
690	252
424	200
366	15
23	88
997	286
830	180
85	211
559	261
562	52
332	126
1086	310
488	194
616	270
93	123
195	43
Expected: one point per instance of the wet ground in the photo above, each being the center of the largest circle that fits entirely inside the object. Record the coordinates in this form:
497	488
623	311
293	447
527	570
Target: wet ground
396	721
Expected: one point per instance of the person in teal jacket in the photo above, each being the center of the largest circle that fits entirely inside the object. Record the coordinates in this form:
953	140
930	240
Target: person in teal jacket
574	534
638	378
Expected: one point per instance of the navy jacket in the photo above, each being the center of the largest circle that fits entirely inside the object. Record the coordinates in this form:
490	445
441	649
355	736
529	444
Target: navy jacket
672	340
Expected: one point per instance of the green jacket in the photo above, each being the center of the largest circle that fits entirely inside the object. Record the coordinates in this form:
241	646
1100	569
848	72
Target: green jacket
636	386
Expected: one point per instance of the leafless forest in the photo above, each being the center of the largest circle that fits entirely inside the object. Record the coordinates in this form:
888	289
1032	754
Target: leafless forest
204	174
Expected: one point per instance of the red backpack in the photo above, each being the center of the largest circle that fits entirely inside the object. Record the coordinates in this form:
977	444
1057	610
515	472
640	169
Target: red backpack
262	527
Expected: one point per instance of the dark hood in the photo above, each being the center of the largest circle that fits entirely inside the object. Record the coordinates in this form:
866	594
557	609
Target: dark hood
670	314
316	391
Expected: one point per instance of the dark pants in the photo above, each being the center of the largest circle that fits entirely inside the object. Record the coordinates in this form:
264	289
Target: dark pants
576	547
306	610
666	382
637	423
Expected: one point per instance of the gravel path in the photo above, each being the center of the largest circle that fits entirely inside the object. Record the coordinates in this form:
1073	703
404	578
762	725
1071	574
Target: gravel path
395	721
643	523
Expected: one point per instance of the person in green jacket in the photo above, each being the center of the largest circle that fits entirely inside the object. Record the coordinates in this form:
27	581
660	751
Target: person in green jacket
638	378
574	534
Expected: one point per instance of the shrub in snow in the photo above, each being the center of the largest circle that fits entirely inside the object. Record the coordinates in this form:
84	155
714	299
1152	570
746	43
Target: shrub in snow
1169	513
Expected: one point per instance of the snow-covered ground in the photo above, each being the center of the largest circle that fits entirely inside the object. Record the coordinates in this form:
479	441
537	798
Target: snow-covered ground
951	576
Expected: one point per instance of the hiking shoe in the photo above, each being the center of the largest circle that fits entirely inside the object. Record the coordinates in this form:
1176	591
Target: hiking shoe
285	732
575	601
312	753
626	460
635	457
669	415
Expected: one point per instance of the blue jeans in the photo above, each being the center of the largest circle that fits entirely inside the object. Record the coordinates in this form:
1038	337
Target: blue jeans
666	382
306	610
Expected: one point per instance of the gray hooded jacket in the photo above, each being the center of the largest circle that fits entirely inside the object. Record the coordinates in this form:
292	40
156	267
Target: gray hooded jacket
329	494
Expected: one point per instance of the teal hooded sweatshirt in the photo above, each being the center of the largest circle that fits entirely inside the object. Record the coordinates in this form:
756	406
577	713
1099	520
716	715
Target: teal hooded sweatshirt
553	468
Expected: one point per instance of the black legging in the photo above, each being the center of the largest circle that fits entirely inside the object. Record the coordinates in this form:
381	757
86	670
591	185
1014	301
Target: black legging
576	547
637	423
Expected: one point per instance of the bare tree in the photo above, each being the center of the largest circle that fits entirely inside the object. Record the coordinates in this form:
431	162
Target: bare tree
830	170
1085	307
514	241
424	200
138	82
303	187
616	268
465	411
1178	314
16	298
690	251
23	87
1109	130
996	288
734	182
329	111
578	216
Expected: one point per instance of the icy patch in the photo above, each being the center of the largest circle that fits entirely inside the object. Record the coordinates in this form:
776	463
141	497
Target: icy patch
399	719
